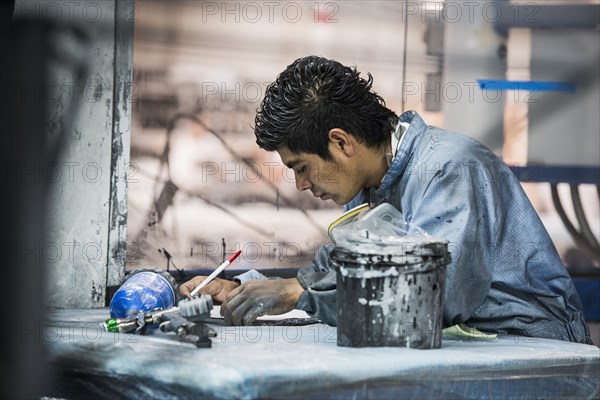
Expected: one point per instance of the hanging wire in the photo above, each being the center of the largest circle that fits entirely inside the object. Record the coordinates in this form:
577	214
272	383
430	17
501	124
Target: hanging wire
579	239
584	226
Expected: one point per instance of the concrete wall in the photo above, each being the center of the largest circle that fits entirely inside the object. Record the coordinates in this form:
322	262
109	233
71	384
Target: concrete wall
85	244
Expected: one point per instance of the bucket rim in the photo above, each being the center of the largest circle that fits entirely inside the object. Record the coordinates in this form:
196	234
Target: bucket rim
423	249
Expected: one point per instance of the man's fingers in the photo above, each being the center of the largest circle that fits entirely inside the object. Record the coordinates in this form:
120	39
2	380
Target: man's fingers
256	310
230	296
244	309
238	310
235	306
190	285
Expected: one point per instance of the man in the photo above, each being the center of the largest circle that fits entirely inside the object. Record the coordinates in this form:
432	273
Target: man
342	143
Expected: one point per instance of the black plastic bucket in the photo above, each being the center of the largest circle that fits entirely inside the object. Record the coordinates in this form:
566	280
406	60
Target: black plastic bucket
391	299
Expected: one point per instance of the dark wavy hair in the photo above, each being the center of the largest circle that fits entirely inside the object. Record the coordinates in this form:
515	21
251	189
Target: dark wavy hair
314	95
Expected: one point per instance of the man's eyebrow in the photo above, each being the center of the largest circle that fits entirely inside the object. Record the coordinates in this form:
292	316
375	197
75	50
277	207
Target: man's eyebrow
290	164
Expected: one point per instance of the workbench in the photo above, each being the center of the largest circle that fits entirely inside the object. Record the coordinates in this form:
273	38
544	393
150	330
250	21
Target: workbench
305	362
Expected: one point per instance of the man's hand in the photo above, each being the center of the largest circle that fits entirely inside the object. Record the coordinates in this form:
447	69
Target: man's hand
255	298
218	288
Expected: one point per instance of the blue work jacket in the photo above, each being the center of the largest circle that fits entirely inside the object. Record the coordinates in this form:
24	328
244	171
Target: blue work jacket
505	275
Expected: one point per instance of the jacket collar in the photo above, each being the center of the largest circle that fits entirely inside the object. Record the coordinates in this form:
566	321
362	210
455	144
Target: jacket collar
403	155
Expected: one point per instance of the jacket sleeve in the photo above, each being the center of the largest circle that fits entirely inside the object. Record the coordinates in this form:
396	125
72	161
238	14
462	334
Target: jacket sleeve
250	275
319	283
456	204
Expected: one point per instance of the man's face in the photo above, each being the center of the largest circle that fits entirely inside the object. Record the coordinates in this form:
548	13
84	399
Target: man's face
336	180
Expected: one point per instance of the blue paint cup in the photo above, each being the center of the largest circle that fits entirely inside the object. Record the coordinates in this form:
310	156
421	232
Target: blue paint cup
144	290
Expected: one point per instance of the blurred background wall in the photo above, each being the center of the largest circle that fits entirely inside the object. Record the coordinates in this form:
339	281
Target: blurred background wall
198	182
203	179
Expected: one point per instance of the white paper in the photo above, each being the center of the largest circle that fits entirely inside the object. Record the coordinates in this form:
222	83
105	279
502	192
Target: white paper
216	313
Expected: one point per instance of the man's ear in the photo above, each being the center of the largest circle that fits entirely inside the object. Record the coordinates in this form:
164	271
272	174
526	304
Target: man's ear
342	141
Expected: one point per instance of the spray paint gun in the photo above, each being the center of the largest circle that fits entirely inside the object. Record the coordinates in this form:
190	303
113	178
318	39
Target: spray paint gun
147	298
185	321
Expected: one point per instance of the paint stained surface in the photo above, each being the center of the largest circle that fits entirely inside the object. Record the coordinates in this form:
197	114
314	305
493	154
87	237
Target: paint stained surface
304	361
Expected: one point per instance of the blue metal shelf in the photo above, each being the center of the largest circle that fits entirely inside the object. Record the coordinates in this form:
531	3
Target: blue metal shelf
557	174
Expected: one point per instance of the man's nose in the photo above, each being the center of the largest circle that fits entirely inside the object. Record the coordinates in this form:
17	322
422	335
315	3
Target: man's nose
302	183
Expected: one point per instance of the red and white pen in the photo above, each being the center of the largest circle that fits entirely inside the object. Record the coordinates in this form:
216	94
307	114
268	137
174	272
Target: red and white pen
216	272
